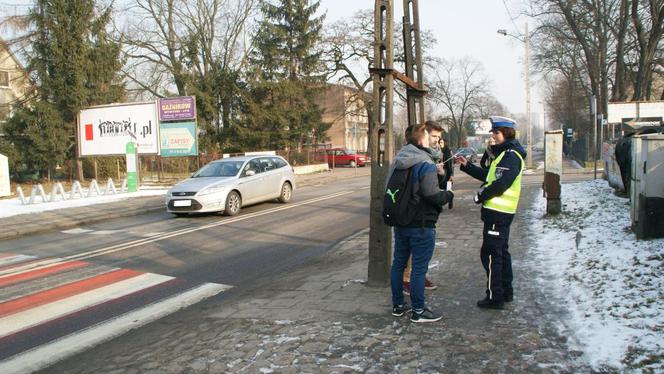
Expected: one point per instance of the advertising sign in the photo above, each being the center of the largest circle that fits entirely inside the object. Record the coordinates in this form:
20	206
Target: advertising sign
616	112
106	130
5	189
177	108
553	152
178	139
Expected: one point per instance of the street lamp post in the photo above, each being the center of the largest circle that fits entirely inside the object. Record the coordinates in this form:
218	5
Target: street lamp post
526	42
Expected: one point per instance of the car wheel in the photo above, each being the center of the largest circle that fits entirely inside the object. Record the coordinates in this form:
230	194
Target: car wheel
233	203
352	163
286	193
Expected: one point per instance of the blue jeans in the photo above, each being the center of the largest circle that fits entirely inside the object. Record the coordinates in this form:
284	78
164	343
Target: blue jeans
418	243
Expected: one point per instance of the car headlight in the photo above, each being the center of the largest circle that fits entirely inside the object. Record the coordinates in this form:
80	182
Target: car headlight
211	190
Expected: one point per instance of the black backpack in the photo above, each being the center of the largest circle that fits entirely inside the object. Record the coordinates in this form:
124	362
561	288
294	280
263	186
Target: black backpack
400	201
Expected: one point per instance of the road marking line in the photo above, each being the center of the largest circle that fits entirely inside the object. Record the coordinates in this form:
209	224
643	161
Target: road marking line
6	261
139	242
65	291
77	230
35	316
11	279
43	356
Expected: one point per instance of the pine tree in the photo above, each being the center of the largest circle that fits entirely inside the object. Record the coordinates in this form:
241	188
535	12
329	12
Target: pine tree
281	112
73	64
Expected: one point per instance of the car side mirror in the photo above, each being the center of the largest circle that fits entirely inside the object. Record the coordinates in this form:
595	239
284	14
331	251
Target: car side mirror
249	173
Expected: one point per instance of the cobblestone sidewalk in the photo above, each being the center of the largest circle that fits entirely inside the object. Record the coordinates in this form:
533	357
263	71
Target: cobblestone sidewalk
323	318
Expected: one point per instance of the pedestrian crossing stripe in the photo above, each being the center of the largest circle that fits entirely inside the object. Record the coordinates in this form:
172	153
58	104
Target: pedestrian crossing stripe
70	306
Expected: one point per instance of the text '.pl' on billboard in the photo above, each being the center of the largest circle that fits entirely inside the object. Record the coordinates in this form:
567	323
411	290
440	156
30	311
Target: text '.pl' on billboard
177	108
106	130
177	139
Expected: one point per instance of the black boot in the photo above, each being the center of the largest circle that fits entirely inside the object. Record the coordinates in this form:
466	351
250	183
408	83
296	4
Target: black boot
487	303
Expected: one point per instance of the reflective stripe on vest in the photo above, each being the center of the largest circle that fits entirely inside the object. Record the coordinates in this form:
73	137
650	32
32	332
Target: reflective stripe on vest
508	201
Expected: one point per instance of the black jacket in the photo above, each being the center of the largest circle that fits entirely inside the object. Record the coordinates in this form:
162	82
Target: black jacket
506	171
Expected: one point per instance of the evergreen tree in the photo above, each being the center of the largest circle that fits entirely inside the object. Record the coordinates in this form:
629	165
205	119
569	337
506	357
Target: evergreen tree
281	112
73	64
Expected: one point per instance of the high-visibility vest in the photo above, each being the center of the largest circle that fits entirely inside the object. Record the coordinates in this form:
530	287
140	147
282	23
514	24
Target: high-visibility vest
508	201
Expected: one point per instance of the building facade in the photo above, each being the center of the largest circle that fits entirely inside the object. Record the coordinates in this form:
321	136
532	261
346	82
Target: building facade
13	82
345	110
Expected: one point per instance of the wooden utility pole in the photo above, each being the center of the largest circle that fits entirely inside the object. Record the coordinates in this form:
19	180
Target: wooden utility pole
382	134
382	141
412	50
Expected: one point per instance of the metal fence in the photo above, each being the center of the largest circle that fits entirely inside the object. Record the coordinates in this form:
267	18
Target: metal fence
168	169
154	168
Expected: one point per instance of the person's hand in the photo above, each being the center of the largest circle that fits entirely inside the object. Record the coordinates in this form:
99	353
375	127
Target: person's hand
460	160
440	168
476	198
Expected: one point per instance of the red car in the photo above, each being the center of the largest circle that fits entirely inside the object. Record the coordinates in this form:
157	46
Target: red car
341	156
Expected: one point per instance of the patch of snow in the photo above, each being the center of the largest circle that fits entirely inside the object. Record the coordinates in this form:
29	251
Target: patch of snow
353	281
612	283
353	368
576	165
12	207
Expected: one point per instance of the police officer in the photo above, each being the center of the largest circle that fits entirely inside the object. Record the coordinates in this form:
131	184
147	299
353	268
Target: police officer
499	198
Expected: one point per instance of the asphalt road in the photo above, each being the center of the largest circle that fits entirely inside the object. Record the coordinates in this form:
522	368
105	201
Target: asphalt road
226	256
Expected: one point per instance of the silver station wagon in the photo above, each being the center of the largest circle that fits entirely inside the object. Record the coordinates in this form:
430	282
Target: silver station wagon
228	184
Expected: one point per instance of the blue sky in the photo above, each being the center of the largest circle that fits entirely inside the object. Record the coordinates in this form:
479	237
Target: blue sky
462	28
468	28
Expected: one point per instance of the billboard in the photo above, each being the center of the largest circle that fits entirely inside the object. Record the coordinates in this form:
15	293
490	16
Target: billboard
177	139
177	108
619	111
106	130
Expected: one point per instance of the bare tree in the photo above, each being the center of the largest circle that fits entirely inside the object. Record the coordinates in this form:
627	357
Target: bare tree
459	87
610	46
647	17
192	47
348	55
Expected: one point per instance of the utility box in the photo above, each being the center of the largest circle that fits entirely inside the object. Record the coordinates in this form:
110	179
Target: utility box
650	204
5	189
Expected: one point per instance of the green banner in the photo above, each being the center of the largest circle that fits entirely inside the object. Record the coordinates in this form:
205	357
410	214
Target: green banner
178	139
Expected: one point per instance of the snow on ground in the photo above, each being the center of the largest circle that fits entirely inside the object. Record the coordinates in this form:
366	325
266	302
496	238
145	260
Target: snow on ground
12	207
612	284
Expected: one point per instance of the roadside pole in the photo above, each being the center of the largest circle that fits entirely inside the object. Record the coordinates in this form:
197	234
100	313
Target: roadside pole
132	166
382	142
593	117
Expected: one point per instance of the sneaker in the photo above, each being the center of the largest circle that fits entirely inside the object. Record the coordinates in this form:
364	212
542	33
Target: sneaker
429	285
426	315
487	303
400	310
406	288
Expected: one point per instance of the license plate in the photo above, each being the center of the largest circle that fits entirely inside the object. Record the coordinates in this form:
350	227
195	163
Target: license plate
182	203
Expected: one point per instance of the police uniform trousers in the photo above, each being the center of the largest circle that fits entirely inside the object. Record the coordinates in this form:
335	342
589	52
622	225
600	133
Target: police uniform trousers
495	254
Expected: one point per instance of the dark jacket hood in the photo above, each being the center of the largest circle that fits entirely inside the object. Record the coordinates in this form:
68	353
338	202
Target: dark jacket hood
510	144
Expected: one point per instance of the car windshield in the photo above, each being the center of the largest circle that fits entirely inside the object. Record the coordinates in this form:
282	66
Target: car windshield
349	152
219	169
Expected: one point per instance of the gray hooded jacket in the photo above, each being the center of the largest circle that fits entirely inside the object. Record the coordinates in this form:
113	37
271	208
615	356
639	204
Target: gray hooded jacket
425	177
